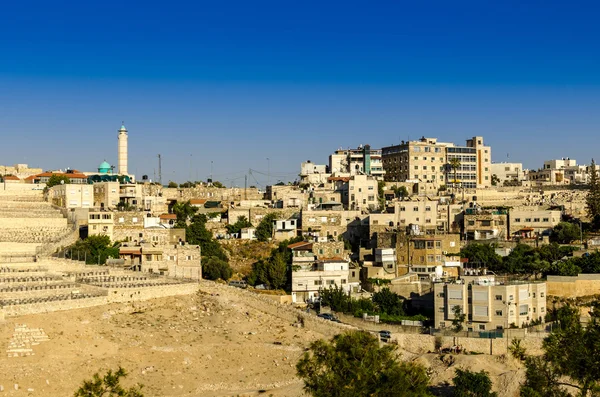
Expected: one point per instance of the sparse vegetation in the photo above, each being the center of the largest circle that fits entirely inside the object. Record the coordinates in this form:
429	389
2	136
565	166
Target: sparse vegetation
108	385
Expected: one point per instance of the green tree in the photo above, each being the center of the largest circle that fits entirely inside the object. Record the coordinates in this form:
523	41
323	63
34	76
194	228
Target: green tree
57	180
172	184
592	199
482	254
108	385
454	165
472	384
389	302
218	184
400	192
570	359
197	234
264	230
353	364
236	228
565	233
215	269
184	212
274	271
95	249
459	318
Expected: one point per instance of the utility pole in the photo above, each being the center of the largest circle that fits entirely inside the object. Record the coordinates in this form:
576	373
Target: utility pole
190	179
159	170
246	187
268	171
211	171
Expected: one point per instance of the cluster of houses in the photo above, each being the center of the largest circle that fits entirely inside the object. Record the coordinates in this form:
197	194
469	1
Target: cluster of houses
393	214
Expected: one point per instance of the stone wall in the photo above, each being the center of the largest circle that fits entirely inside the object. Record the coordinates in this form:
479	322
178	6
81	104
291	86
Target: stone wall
575	286
145	293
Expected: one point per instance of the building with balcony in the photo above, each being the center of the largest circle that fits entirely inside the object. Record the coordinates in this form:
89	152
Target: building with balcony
485	224
489	304
431	256
508	172
360	161
533	222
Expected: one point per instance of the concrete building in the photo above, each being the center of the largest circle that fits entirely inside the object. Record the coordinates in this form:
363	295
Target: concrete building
533	222
431	256
362	193
485	224
314	174
508	172
427	161
489	304
72	196
360	161
320	266
123	150
75	177
285	229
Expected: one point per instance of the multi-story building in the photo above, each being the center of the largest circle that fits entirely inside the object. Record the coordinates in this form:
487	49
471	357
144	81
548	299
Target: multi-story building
489	304
485	224
427	160
432	256
362	193
508	172
533	222
560	172
314	174
72	195
360	161
319	266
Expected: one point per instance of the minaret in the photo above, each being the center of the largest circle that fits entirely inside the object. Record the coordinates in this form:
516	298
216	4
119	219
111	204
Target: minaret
123	150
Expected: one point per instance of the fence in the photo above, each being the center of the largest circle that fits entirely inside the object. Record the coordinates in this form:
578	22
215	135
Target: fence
17	258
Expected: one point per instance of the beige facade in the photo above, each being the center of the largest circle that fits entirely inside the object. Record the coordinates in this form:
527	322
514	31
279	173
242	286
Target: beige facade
72	196
362	193
429	255
533	221
508	172
574	286
331	224
489	304
360	161
485	224
427	161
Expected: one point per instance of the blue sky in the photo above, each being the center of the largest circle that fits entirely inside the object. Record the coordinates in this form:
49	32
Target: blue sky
238	82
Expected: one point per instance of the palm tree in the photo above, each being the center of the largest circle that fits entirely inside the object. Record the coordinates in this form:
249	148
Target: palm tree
455	165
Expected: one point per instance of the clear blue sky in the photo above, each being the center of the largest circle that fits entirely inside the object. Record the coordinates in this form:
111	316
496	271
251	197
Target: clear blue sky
239	81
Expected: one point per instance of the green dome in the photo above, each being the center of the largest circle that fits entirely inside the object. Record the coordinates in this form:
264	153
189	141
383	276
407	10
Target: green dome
104	168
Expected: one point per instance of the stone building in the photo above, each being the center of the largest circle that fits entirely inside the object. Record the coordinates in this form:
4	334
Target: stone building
431	256
360	161
426	160
489	304
72	196
173	260
533	222
485	224
508	172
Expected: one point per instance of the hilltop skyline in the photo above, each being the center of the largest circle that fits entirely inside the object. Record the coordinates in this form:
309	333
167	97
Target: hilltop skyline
239	84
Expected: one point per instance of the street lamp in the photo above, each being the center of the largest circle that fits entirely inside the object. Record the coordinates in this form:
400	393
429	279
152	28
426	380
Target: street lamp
268	171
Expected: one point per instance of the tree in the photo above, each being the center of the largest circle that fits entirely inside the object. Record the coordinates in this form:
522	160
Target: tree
236	228
495	180
108	385
472	384
274	271
459	318
389	302
353	364
400	192
592	199
218	184
95	249
196	233
454	165
172	184
56	179
570	359
184	212
215	269
264	230
565	233
482	254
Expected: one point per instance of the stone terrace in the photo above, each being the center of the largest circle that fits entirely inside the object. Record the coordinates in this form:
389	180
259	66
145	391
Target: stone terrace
62	285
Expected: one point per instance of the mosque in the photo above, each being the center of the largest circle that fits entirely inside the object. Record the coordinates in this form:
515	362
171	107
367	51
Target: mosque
106	171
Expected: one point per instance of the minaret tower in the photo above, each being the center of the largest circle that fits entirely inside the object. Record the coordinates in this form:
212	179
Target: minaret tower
123	150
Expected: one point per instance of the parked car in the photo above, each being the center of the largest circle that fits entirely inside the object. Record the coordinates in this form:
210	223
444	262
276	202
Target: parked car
238	283
385	336
329	316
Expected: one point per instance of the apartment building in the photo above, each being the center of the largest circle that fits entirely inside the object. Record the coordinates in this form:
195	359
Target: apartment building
485	224
72	196
533	222
489	304
427	160
508	172
560	172
432	256
319	266
314	174
362	193
360	161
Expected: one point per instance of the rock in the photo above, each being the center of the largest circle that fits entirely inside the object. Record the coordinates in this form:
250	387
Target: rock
16	386
30	390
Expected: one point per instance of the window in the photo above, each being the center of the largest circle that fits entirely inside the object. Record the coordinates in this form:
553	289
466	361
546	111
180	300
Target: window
402	208
546	219
510	297
330	282
541	294
482	327
498	297
415	209
498	312
370	187
430	258
438	244
427	208
517	219
527	219
318	282
536	219
534	294
343	281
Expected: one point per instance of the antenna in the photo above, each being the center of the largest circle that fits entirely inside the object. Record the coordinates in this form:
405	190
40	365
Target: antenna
159	170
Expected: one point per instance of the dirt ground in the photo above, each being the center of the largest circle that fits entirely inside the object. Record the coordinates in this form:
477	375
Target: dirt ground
197	345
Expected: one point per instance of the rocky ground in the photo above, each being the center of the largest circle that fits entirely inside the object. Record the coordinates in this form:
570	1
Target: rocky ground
215	343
